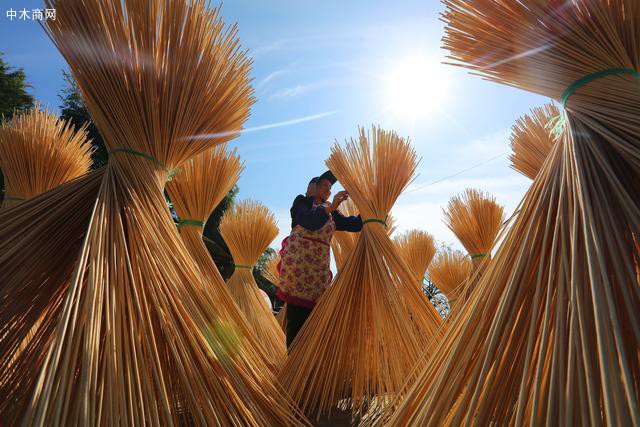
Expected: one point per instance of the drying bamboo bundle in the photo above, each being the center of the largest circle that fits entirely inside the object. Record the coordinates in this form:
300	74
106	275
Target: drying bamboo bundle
343	242
550	333
364	335
475	218
248	228
133	341
38	152
449	271
416	248
532	138
202	183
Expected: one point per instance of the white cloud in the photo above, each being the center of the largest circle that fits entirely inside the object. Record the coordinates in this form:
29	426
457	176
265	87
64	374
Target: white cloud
272	76
271	47
290	92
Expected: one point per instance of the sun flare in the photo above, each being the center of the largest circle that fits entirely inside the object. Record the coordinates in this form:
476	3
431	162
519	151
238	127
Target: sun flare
416	87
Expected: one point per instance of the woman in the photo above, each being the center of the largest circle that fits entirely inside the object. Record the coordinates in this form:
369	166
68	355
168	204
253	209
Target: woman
304	270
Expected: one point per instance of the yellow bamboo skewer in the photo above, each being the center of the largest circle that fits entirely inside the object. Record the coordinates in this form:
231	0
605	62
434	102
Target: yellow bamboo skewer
362	338
132	341
38	152
532	138
449	271
248	228
550	333
417	248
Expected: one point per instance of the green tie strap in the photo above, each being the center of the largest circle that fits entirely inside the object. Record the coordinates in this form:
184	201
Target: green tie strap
170	172
583	81
478	256
558	122
243	266
194	222
377	220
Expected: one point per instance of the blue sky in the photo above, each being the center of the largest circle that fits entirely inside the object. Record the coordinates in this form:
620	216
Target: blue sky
336	61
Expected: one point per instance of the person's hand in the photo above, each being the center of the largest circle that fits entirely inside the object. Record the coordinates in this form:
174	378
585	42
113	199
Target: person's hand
340	197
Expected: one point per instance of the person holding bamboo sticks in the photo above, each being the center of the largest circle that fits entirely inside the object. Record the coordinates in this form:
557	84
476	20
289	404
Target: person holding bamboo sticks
304	269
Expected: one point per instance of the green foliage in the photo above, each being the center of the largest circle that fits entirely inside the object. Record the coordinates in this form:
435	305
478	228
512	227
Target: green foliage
13	91
72	108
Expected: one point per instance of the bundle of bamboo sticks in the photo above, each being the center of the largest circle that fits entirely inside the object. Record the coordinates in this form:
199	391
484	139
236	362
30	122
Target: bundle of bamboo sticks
364	335
417	248
202	183
132	342
38	152
343	242
550	334
532	137
248	228
476	219
450	271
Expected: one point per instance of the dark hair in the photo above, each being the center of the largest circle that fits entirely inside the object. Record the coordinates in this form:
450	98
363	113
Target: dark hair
314	180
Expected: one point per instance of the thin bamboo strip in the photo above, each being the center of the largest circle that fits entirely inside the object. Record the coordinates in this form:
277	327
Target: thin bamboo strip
449	271
363	337
532	138
417	248
133	343
248	228
38	152
550	334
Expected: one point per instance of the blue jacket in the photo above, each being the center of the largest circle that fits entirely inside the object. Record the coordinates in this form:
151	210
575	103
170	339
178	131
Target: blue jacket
303	214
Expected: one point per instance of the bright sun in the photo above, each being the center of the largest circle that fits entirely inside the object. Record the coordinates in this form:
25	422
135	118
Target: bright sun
415	87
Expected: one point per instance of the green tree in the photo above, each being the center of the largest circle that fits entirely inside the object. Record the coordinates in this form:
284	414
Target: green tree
13	97
72	108
13	91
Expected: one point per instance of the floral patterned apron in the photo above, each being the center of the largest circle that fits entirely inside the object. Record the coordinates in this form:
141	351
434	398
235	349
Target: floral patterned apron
305	271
